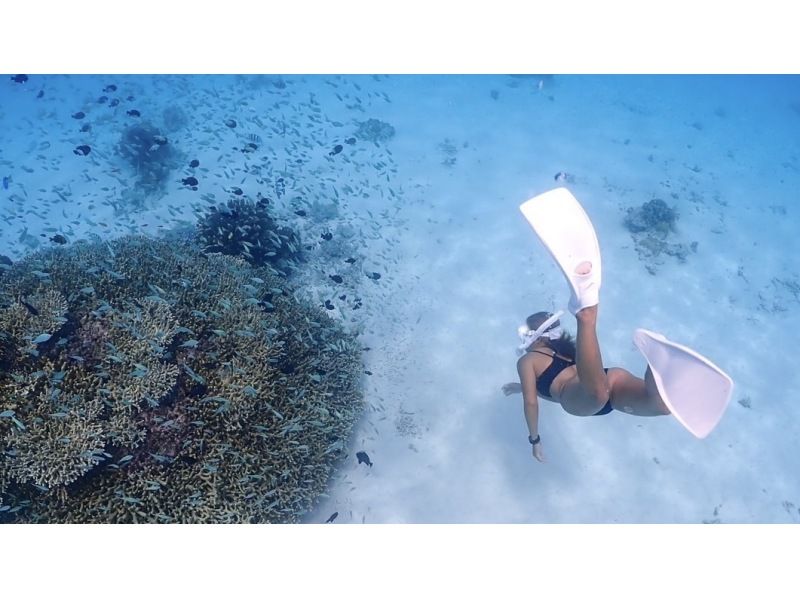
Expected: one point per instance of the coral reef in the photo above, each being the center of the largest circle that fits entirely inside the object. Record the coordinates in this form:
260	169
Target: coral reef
174	118
245	228
150	154
653	216
374	130
148	381
650	225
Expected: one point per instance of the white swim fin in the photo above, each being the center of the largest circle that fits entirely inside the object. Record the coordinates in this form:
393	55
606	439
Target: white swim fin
696	391
567	233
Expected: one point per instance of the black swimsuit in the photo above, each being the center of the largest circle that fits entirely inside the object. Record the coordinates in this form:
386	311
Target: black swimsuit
557	366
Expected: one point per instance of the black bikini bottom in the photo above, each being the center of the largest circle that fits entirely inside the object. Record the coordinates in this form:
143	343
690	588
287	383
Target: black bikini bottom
607	408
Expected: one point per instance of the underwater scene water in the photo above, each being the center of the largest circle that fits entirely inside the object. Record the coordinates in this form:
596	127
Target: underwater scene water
296	298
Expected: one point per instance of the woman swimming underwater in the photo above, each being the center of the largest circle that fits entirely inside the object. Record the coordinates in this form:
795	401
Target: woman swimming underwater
571	373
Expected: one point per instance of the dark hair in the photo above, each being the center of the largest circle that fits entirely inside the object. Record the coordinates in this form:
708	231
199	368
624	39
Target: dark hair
563	345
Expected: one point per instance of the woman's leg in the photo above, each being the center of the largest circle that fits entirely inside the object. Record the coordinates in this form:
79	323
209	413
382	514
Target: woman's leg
633	395
589	391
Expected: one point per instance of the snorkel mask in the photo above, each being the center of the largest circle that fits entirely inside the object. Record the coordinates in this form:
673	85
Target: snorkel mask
550	328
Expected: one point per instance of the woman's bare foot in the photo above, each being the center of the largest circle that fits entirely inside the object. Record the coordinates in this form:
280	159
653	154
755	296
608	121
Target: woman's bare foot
512	388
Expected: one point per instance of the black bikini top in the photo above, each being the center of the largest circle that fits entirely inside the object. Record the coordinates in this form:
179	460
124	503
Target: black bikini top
558	365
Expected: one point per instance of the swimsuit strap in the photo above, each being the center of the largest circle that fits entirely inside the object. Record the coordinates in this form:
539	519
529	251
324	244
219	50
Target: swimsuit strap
554	355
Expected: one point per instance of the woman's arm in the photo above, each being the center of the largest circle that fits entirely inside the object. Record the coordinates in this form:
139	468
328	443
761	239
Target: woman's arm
530	400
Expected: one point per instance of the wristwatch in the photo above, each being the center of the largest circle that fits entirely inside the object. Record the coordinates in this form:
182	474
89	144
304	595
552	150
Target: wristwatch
534	441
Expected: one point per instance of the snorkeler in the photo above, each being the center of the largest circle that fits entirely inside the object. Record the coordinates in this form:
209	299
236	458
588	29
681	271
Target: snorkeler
554	368
677	380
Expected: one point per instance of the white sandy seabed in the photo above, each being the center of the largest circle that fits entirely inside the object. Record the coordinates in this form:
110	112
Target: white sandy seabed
461	270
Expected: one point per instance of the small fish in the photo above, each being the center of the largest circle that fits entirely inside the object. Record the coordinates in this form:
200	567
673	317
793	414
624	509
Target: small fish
60	239
236	191
327	236
230	123
374	276
363	458
367	372
102	99
110	88
20	78
351	260
82	150
40	95
86	128
329	305
300	212
29	307
42	338
350	141
336	150
130	98
342	297
6	181
134	113
336	278
190	182
114	102
79	115
564	177
333	517
194	163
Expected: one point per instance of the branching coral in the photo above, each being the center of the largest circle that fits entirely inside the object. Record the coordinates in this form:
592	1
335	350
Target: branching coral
149	153
178	386
245	228
374	130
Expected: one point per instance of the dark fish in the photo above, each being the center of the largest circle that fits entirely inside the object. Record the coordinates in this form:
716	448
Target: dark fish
6	181
194	163
336	150
102	99
230	123
333	517
350	141
86	128
20	78
336	278
130	98
60	239
374	276
351	260
342	297
40	95
114	102
29	307
236	191
327	236
363	458
367	372
300	212
110	88
82	150
329	305
190	181
134	113
78	115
